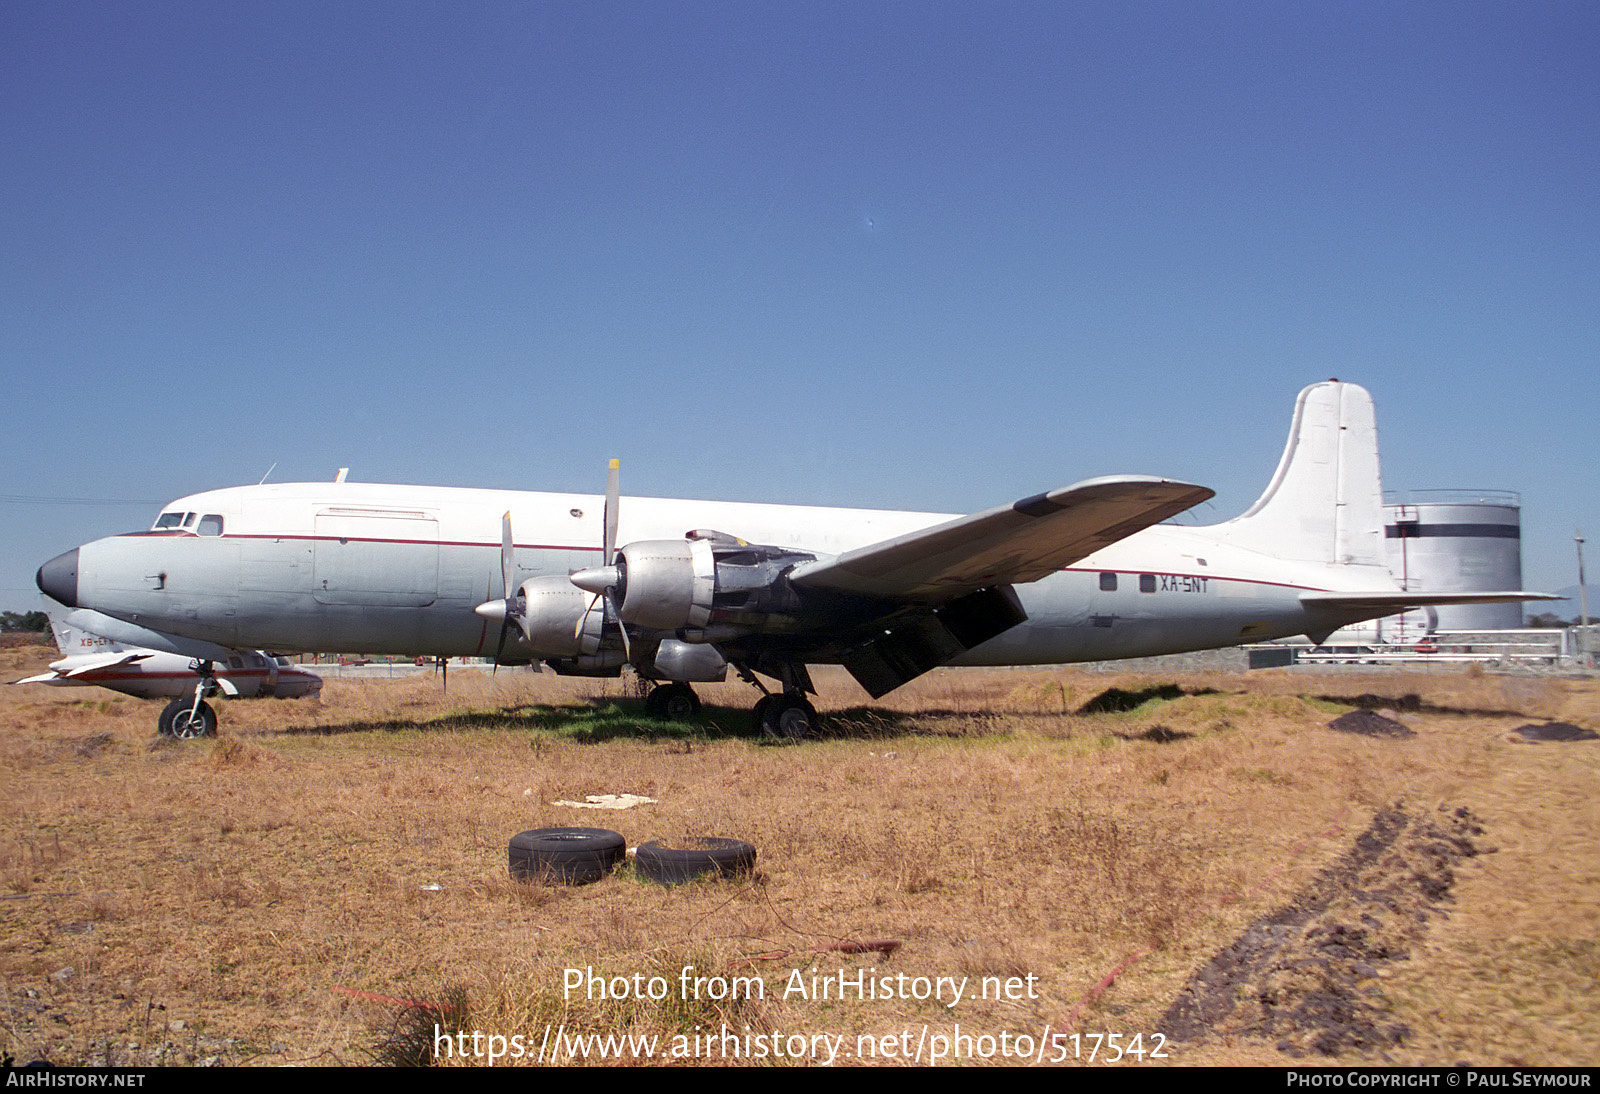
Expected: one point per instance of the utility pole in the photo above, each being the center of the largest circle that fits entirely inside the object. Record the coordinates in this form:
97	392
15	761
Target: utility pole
1583	604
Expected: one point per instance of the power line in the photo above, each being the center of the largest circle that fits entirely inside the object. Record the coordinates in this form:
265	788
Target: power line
36	499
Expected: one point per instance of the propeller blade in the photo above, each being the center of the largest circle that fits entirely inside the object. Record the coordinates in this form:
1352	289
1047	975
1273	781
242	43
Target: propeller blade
500	646
508	556
604	579
627	647
582	618
613	500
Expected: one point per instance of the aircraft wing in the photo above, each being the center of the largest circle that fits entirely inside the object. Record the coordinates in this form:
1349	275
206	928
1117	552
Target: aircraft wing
79	665
102	661
40	679
1010	544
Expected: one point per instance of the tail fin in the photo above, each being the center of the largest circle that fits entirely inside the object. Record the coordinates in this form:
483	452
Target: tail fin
72	640
1325	502
62	632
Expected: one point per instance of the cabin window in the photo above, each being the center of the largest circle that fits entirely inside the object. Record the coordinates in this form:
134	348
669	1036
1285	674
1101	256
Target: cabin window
1147	583
234	662
1108	583
210	525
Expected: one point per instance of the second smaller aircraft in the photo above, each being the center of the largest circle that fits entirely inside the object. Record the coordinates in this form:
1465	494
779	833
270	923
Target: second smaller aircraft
93	660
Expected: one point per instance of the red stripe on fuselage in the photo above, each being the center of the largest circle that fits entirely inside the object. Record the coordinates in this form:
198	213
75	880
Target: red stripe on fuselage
598	550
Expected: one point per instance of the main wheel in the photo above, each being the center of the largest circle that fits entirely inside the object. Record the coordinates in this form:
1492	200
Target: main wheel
673	702
181	719
758	716
790	717
570	856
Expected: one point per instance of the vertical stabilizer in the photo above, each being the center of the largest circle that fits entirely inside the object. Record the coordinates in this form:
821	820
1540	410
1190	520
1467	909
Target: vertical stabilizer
75	641
63	633
1325	501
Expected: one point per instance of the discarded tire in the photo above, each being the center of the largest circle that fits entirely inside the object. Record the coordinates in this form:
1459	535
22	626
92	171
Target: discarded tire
565	856
673	862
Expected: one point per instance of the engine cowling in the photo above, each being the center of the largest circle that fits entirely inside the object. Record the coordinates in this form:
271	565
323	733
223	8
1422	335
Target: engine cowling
665	584
707	584
550	618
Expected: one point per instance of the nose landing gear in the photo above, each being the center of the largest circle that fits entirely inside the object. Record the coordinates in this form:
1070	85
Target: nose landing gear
188	717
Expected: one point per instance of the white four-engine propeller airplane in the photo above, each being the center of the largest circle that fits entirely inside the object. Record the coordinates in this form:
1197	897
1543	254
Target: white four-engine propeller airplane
1084	572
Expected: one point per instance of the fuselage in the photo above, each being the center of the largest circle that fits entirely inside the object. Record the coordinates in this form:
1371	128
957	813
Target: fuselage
360	567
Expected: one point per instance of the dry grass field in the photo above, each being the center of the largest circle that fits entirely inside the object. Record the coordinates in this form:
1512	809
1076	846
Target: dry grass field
1213	870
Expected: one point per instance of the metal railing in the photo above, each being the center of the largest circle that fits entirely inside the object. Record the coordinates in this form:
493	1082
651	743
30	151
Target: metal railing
1544	646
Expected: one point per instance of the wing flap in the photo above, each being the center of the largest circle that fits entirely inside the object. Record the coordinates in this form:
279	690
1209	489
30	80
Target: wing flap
1010	544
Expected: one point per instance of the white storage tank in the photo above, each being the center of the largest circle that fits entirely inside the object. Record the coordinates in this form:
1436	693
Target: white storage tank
1458	541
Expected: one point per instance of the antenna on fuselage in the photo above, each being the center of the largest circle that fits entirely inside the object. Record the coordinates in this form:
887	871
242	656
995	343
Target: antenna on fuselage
343	471
269	471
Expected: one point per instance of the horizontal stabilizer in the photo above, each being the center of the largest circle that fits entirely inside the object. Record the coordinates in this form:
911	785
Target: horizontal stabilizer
1388	602
1010	544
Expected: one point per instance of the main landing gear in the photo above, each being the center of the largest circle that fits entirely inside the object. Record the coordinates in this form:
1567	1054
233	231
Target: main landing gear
790	717
787	715
672	702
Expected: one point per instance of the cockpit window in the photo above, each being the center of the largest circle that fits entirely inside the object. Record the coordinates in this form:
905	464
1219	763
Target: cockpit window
175	521
210	525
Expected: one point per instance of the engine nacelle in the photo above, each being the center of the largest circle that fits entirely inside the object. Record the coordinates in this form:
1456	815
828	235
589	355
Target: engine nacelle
684	585
550	620
666	583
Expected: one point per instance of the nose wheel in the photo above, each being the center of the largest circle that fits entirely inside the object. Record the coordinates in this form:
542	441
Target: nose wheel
185	719
190	716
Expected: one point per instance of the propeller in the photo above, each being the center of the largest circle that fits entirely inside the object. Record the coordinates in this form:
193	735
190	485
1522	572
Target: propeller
510	606
602	580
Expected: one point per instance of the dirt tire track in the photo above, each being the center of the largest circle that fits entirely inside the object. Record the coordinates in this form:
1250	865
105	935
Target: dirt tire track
1307	975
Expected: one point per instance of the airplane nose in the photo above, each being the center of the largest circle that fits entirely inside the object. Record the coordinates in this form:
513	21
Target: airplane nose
58	578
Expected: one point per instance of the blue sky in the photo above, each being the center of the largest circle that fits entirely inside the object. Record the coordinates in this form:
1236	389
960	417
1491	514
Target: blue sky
903	255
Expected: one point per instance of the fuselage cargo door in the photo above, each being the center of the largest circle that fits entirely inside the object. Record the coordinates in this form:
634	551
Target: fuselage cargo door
376	557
